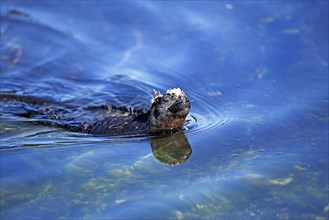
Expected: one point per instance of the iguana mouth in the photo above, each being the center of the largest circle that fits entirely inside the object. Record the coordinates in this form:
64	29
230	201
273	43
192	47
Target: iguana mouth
179	106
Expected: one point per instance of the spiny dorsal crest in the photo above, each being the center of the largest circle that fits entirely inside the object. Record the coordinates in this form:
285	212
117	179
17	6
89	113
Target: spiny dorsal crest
155	95
127	109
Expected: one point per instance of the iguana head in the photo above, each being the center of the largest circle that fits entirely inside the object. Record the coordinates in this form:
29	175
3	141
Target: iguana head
168	111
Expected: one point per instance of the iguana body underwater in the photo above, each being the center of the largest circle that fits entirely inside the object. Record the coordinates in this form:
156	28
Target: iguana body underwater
166	114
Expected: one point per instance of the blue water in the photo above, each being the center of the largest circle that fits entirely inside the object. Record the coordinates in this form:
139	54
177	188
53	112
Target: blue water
255	145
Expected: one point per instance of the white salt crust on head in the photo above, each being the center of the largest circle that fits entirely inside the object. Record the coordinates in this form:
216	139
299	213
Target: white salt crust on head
174	91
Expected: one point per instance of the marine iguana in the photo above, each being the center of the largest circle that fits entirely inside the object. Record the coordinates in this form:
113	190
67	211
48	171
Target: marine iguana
166	114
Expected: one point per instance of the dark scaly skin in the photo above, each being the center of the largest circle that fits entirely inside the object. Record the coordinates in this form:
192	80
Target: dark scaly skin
166	114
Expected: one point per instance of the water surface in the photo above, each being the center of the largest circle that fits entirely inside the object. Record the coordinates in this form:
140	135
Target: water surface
255	145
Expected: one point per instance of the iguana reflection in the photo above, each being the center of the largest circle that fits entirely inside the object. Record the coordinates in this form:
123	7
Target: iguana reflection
172	150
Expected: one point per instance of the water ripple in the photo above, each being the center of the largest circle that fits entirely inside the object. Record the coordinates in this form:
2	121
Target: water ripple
207	116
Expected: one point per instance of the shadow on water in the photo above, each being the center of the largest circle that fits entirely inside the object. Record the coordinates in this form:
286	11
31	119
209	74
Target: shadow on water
172	150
